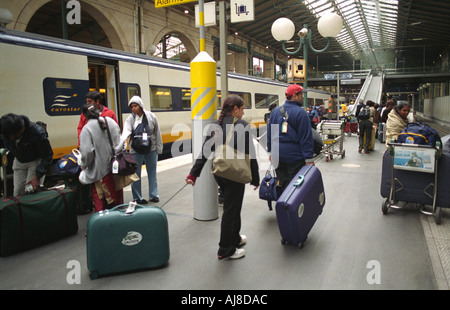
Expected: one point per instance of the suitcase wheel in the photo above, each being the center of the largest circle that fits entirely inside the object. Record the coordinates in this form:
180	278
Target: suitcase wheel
300	245
385	206
93	275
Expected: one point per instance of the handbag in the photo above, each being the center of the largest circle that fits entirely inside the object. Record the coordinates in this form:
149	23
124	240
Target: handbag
122	163
269	188
140	138
237	168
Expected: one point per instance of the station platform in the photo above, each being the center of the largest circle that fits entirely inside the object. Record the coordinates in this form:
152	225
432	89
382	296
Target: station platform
348	240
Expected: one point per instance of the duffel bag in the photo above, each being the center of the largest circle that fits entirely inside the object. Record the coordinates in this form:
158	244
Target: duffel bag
36	219
418	133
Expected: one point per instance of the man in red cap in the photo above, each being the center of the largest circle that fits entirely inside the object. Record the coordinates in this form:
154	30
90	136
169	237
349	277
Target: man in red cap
289	136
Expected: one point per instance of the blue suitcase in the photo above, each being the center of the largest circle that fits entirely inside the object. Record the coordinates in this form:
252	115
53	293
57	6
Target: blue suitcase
123	239
300	205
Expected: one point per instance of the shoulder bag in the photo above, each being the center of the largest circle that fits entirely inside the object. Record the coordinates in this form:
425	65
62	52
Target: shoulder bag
122	163
269	188
140	138
232	165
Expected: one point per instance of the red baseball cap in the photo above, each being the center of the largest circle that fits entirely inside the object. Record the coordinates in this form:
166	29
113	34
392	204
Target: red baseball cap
294	89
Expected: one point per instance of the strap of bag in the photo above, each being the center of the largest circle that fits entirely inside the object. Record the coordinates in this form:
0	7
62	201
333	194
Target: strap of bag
230	134
144	121
20	211
286	117
109	138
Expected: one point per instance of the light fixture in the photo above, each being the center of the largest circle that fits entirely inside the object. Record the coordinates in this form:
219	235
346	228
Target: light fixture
283	29
5	17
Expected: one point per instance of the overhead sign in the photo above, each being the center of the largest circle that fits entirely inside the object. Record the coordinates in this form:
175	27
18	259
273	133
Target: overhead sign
209	10
242	11
164	3
342	76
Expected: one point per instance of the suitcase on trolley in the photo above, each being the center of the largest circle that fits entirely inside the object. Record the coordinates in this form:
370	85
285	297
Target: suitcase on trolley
410	186
125	239
300	205
36	219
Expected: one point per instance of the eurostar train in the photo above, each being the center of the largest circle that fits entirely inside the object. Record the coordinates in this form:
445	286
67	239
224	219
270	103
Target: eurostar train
47	78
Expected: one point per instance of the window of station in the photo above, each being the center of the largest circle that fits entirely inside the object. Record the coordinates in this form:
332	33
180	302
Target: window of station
160	99
263	101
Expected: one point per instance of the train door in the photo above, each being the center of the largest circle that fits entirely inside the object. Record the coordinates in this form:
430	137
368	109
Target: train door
103	78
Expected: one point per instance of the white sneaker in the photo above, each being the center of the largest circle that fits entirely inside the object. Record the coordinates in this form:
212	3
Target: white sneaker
243	240
238	254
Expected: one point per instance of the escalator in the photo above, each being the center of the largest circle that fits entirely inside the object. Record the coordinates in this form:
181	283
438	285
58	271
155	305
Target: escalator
372	89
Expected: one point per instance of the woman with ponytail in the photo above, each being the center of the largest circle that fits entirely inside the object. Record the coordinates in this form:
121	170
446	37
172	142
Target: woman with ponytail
233	192
96	155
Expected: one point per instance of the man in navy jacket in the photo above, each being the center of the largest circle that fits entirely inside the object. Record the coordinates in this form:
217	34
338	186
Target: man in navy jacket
289	136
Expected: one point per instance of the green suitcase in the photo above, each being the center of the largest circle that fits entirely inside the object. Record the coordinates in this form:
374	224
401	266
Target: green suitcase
36	219
124	239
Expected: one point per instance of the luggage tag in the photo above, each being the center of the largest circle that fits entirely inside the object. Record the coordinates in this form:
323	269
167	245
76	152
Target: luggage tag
144	136
115	166
131	207
284	126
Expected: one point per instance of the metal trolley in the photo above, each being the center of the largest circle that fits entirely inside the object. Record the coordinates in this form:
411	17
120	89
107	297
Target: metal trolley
333	138
414	157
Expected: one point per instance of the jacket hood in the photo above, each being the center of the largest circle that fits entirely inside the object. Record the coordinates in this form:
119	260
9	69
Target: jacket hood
138	100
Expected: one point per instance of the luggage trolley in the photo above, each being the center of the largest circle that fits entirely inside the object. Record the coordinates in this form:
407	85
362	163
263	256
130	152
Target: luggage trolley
334	132
414	158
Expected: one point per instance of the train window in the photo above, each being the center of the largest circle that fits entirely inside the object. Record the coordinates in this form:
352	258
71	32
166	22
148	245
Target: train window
128	90
186	99
132	91
160	98
247	99
263	101
63	84
219	100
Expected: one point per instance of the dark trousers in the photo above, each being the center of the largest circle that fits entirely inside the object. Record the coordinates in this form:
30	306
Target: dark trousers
233	196
365	129
287	171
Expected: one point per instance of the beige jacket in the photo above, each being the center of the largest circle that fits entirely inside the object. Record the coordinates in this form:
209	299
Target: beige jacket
394	125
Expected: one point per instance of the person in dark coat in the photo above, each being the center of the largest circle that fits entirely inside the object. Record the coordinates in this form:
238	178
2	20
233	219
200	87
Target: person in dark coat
233	192
28	143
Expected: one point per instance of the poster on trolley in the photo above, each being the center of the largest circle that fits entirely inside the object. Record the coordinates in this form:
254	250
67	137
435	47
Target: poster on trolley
414	158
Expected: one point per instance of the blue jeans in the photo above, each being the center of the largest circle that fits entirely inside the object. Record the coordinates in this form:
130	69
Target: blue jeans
150	160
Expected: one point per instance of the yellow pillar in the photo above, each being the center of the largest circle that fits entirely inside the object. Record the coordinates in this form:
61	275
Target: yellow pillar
203	113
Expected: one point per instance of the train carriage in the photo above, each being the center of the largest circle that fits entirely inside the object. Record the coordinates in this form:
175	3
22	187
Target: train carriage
47	78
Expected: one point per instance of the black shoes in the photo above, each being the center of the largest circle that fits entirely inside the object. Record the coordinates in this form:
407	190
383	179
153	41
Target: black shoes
144	202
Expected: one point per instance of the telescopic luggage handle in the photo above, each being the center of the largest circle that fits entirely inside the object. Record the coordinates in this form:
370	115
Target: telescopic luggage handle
296	184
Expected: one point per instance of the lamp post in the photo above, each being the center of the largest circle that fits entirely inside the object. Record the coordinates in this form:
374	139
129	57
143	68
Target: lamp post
329	26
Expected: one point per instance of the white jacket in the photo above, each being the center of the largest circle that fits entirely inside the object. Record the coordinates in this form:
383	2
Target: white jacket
134	120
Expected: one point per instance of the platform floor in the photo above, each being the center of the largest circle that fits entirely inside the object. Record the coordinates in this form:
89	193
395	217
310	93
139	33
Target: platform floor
351	245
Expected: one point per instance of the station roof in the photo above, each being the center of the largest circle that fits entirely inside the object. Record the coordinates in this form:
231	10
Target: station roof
375	31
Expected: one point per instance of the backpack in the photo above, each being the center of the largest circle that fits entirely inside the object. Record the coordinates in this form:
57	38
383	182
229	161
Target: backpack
418	133
364	113
140	138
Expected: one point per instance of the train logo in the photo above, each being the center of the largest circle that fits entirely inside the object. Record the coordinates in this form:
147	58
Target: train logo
63	96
